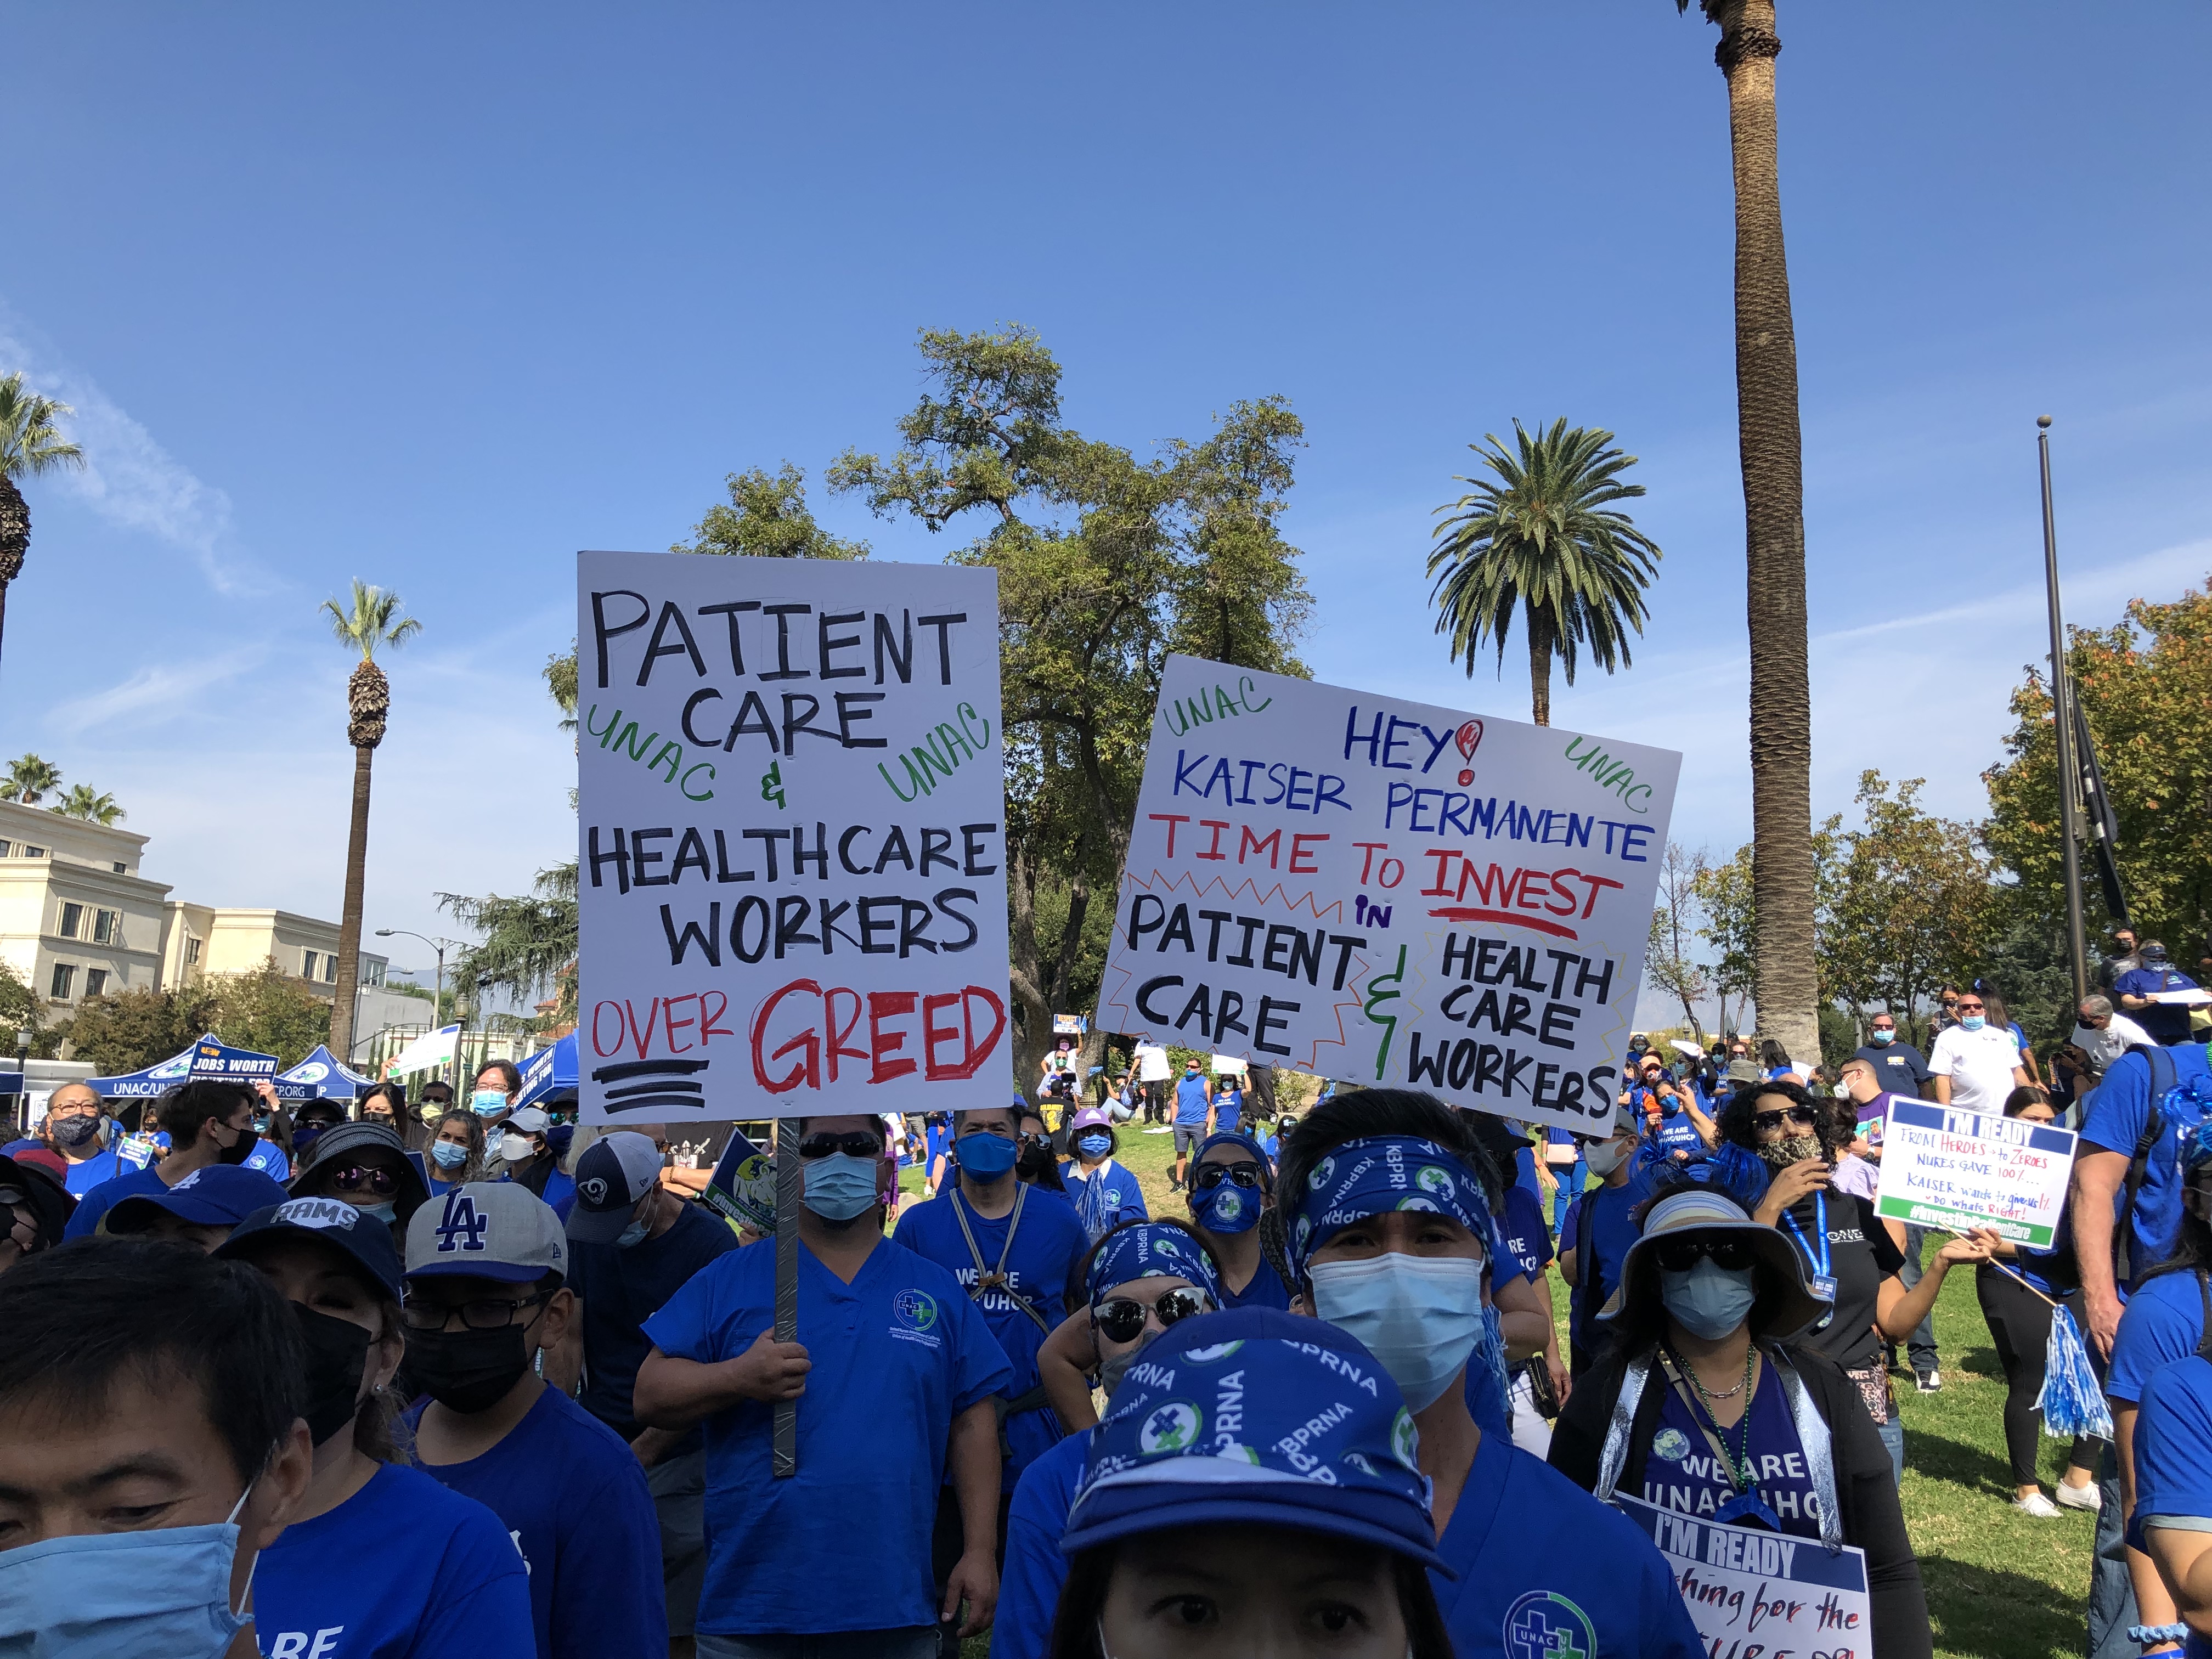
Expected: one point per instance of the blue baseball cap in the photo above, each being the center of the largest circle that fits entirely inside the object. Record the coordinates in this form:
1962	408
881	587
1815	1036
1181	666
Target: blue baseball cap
362	1239
219	1195
1259	1417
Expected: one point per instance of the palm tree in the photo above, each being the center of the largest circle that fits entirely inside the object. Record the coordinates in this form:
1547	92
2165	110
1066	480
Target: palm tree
371	621
1542	538
1768	441
29	445
82	802
29	778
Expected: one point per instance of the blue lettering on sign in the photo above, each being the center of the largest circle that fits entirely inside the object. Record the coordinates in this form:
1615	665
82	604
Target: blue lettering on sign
1293	789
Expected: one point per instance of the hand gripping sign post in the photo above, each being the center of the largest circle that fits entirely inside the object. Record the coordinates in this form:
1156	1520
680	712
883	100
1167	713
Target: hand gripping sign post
1359	887
1942	1166
792	888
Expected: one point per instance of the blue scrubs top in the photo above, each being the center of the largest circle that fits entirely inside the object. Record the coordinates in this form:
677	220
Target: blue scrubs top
1601	1223
844	1545
2163	1321
83	1177
1030	1581
2174	1457
84	1220
1117	1197
2117	1113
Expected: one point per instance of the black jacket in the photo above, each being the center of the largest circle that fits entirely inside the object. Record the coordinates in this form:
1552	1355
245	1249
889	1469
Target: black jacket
1866	1487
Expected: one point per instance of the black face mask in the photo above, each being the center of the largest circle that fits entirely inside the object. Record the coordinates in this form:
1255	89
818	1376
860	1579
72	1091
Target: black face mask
468	1371
75	1132
337	1354
239	1150
1035	1160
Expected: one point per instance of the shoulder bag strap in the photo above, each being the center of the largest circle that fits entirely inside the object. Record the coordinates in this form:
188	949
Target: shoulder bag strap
1613	1459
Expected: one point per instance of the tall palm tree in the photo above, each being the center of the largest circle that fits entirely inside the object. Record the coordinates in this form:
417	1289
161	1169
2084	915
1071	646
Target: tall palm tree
1542	537
369	623
29	445
28	779
1768	441
83	801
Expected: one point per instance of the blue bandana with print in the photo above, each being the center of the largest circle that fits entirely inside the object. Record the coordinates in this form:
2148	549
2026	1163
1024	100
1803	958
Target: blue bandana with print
1149	1251
1364	1178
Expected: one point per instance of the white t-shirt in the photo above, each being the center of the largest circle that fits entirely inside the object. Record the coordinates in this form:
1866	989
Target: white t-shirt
1979	1064
1152	1063
2106	1046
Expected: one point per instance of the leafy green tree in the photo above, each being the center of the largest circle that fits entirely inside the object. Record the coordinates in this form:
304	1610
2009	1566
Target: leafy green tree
525	945
83	801
29	779
1724	893
267	1009
30	444
264	1009
21	1010
369	622
767	518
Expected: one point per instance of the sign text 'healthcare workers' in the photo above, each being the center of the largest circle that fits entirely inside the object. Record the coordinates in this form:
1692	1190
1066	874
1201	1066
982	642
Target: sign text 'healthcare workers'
1369	888
1945	1167
1752	1592
793	876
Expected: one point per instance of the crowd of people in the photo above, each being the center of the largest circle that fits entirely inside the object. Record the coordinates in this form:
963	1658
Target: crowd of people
361	1380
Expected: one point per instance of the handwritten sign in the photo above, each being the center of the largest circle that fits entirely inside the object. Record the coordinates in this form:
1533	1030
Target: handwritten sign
1751	1592
1943	1167
1359	887
792	884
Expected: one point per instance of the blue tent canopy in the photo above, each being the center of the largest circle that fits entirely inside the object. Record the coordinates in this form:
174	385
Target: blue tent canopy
549	1072
209	1057
320	1076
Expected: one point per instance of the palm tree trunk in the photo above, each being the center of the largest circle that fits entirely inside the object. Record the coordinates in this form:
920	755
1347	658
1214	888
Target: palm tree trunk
1540	665
1787	989
350	917
3	611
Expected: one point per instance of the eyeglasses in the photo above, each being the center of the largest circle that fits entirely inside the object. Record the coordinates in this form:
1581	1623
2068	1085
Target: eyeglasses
1679	1255
857	1143
1210	1175
1950	1002
2096	1022
359	1178
1965	1007
1884	1028
1800	1117
492	1313
1122	1319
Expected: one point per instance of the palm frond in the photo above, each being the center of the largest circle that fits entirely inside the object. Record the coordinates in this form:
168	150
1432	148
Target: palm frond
370	620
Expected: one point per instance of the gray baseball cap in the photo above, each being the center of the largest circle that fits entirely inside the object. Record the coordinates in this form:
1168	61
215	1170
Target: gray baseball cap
487	1230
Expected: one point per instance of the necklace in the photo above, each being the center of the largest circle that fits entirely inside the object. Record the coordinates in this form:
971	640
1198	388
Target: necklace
1739	1465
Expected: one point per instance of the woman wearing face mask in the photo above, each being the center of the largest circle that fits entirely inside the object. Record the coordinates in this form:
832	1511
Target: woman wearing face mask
1136	1281
1599	1227
526	1150
404	1566
1034	1163
313	1119
1232	1202
1701	1408
1188	1542
387	1104
274	1156
363	1164
1105	1195
456	1151
1390	1236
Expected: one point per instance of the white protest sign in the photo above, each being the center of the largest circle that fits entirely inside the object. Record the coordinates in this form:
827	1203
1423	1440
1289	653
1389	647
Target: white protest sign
1359	887
793	880
1752	1592
1945	1167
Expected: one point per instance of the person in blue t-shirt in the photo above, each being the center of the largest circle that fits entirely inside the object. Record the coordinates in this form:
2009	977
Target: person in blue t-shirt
273	1124
1228	1106
1529	1244
2138	989
937	1142
894	1371
1232	1207
203	1210
1594	1240
1103	1193
1193	1110
487	1294
78	1127
2119	1114
2172	1523
381	1561
1669	1113
208	1122
1390	1231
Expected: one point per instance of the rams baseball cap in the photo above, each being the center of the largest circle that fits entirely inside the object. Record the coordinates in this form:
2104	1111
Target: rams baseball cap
488	1229
363	1239
219	1196
614	1173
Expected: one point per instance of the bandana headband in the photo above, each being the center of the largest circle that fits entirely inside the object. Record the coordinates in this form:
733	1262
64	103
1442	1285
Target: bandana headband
1368	1178
1149	1251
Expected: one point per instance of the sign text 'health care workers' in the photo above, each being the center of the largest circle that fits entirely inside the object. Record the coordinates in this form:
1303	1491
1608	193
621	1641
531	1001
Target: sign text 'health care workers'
1368	889
793	876
1945	1167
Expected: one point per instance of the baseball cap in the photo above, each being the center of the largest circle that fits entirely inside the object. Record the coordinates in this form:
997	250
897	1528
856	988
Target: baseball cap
25	1182
615	1171
529	1120
219	1196
363	1239
488	1229
1245	1418
1091	1117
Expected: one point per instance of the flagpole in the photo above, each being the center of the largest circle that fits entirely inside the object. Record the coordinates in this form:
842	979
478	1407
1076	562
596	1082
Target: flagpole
2062	697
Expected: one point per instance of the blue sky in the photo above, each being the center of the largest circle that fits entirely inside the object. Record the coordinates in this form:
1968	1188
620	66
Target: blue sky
436	297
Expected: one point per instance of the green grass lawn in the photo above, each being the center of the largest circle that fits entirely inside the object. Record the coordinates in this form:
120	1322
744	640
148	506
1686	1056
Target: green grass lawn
2000	1584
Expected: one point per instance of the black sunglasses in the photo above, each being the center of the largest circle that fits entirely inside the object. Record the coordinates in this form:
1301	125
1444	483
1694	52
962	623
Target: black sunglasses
1802	1116
357	1177
1122	1319
1679	1255
859	1143
1210	1175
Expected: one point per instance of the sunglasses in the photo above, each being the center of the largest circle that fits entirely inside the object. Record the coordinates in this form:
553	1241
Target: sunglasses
1123	1318
859	1143
492	1313
1801	1117
1679	1255
359	1177
1965	1007
1210	1175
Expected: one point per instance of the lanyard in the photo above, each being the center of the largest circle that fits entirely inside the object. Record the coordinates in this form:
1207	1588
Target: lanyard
1819	1262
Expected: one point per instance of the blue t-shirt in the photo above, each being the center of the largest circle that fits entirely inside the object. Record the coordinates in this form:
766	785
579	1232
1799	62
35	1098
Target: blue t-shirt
1190	1102
1104	1201
1681	1472
1528	1241
1030	1581
1229	1108
84	1220
268	1156
2168	1022
2163	1321
1266	1290
2118	1112
844	1543
575	1502
938	1138
1047	1245
1545	1572
623	1289
1599	1225
402	1570
1676	1132
100	1167
2174	1456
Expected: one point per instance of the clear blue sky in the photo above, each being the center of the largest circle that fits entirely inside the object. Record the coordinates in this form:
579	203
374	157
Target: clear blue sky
436	296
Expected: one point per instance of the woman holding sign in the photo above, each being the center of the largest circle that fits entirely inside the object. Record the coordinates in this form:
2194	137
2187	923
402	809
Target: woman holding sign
1702	1408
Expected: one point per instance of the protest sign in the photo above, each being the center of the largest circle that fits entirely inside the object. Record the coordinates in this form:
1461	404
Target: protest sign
743	1187
1945	1167
1359	887
1752	1592
792	888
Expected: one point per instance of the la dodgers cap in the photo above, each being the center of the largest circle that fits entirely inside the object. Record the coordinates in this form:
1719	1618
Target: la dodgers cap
487	1230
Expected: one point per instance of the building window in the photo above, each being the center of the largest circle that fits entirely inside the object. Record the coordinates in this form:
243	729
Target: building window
64	980
308	972
373	973
6	847
106	927
192	949
31	852
72	920
96	982
122	869
331	969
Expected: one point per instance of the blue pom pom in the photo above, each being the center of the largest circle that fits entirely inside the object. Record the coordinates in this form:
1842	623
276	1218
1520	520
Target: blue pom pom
2073	1404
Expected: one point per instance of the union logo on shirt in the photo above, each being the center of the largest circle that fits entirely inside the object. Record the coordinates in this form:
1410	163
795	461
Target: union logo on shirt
917	1314
1545	1625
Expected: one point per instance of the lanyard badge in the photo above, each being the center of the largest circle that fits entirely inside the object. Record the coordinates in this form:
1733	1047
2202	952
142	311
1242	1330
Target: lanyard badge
1821	1281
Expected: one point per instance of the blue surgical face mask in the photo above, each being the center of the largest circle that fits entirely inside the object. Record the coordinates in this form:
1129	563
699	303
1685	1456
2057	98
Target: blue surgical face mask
1880	1038
632	1235
123	1595
984	1154
1227	1208
840	1186
1420	1316
1708	1300
448	1155
488	1103
1095	1144
381	1211
1972	1022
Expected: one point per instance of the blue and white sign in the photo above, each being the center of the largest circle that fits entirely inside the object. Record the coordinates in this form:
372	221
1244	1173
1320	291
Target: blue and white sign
209	1057
1750	1590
